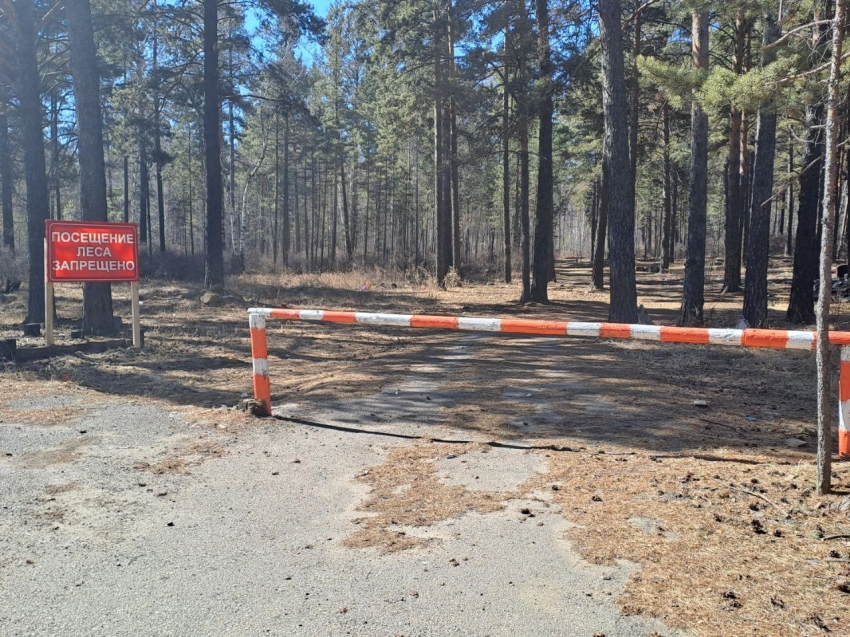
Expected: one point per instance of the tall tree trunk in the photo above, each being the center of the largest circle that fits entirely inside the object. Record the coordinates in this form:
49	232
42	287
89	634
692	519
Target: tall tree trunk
157	138
38	205
276	204
506	159
97	297
443	228
801	307
6	184
285	221
789	201
346	221
674	221
160	193
824	349
455	167
366	212
634	102
545	197
594	217
144	190
758	250
296	195
667	226
191	199
126	189
616	163
734	196
214	242
598	275
334	210
694	291
524	187
54	156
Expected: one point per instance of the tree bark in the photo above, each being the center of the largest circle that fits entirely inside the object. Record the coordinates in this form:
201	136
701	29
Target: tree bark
214	243
789	200
54	156
601	237
734	196
694	290
801	308
157	138
525	221
666	240
6	185
617	166
443	228
506	159
35	173
276	197
144	190
455	166
634	103
97	297
126	189
346	220
824	349
543	233
285	221
758	250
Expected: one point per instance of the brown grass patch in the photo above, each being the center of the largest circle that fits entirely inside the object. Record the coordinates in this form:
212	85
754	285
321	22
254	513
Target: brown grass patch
68	451
715	560
406	492
181	459
46	417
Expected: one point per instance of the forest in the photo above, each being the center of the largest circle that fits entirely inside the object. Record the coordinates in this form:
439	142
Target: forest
451	137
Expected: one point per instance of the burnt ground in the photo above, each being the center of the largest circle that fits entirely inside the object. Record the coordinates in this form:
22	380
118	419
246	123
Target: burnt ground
714	503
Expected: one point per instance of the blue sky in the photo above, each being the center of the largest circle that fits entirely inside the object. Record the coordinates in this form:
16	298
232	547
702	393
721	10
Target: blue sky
322	6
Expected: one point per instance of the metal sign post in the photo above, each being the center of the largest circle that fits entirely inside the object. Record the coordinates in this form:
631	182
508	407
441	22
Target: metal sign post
89	252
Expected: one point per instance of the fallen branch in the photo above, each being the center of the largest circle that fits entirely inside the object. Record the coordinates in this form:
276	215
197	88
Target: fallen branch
842	536
719	424
787	514
708	458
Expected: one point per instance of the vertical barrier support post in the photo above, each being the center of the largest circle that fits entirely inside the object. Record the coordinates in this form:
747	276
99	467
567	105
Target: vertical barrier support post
260	355
844	403
134	309
49	301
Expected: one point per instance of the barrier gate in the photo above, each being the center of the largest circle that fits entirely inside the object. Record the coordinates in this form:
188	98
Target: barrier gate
770	339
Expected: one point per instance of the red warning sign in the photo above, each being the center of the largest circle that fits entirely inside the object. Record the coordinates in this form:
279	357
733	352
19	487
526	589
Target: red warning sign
88	252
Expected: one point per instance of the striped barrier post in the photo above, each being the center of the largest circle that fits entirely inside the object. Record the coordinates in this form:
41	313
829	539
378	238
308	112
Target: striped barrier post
771	339
844	403
260	355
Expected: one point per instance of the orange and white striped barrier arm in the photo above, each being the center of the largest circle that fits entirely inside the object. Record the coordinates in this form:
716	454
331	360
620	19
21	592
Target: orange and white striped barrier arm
260	356
844	404
771	339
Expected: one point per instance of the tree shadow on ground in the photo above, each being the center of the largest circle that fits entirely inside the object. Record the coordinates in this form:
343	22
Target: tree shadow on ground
499	387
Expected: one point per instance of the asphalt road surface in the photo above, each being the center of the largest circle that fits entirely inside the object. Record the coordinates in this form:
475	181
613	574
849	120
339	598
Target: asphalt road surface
130	519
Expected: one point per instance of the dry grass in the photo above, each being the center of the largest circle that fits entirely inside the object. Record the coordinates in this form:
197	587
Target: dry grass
727	546
406	492
47	417
64	453
180	460
716	559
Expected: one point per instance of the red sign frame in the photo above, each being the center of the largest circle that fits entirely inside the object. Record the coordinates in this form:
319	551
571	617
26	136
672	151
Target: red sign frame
91	252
